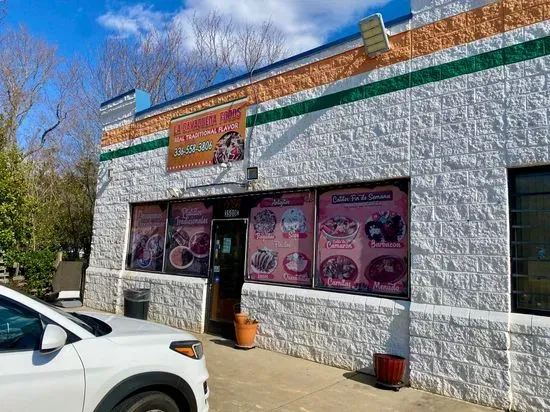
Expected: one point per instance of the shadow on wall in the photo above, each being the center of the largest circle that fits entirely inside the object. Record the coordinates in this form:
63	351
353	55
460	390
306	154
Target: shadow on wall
399	341
103	178
222	175
394	340
297	129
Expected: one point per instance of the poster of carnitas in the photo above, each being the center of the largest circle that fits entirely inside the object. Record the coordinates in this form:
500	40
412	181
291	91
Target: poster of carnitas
147	237
363	240
280	239
188	243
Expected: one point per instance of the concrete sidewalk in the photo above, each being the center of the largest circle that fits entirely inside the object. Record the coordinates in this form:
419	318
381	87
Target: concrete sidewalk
259	380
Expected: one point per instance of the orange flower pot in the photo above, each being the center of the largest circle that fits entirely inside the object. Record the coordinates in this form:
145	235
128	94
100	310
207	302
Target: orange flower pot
245	334
389	369
240	318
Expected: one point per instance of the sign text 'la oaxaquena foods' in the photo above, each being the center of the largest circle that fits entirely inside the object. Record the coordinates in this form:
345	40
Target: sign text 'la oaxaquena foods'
212	136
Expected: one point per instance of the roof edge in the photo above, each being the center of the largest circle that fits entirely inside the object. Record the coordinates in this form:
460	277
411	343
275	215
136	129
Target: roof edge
120	96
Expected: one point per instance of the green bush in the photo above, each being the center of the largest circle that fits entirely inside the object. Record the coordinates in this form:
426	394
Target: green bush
37	267
14	200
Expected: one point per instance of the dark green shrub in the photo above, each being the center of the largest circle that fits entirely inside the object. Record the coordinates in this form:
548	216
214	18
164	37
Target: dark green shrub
37	267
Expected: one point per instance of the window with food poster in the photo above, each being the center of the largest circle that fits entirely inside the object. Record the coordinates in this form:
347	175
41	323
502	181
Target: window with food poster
147	237
280	239
188	240
363	239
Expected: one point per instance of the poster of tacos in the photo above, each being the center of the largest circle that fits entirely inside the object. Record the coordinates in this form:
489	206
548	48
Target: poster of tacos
188	238
363	239
147	237
280	239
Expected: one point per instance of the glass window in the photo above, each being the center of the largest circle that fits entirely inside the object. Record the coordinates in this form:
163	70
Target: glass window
188	240
20	328
530	239
146	249
280	238
363	240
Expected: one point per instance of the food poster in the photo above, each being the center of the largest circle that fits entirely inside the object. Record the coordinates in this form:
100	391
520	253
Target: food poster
209	137
147	237
188	242
280	239
363	240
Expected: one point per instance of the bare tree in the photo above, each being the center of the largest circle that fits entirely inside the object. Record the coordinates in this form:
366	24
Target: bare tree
147	62
190	53
214	49
35	88
260	46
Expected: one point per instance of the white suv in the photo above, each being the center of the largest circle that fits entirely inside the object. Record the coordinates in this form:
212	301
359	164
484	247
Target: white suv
51	360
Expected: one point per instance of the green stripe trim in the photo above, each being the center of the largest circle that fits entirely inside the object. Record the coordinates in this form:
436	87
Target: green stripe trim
135	149
508	55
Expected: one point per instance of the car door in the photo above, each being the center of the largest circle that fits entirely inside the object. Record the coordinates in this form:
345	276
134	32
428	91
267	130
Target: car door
31	380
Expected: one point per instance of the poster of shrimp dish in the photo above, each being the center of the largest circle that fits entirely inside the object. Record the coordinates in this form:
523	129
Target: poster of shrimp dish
147	237
211	136
363	239
280	239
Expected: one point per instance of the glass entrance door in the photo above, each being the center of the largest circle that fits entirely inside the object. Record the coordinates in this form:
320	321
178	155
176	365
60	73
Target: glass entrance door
226	272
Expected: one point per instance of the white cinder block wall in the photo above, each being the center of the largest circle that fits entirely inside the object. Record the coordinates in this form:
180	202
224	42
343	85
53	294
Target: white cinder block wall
530	363
335	329
455	140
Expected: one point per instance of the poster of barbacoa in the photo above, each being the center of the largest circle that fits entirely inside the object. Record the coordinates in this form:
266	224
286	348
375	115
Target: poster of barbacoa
209	137
362	240
147	237
280	239
188	240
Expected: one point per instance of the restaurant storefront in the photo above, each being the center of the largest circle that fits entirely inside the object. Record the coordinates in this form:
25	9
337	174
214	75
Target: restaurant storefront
352	204
350	239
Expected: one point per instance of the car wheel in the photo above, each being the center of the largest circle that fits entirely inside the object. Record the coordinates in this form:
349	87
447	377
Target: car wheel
148	402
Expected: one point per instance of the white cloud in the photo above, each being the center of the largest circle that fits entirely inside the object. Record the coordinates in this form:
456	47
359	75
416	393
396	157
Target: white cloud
305	23
133	20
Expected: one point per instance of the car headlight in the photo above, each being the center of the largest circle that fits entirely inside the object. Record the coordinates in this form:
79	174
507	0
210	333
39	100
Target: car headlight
190	348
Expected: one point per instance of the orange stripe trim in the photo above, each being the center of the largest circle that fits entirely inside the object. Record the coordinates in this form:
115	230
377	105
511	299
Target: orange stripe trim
486	21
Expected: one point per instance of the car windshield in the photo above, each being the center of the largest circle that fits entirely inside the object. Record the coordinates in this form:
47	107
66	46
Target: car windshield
92	325
71	316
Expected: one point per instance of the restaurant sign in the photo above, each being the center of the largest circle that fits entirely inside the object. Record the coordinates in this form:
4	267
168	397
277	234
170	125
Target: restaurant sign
209	137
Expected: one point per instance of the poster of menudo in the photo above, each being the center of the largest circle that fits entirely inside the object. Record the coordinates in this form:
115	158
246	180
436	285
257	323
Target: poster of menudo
363	240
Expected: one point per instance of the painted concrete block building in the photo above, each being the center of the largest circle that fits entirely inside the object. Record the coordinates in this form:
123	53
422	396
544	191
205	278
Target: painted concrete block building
401	204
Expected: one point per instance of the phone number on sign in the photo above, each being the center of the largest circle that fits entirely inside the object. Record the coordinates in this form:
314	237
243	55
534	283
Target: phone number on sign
193	148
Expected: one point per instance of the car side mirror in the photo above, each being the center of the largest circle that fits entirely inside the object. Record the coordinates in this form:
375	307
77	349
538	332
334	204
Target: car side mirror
53	338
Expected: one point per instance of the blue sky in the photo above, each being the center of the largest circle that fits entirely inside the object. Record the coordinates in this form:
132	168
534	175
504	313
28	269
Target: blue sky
79	26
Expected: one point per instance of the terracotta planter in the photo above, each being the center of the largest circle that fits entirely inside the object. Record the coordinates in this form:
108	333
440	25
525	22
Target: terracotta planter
389	369
240	318
245	334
